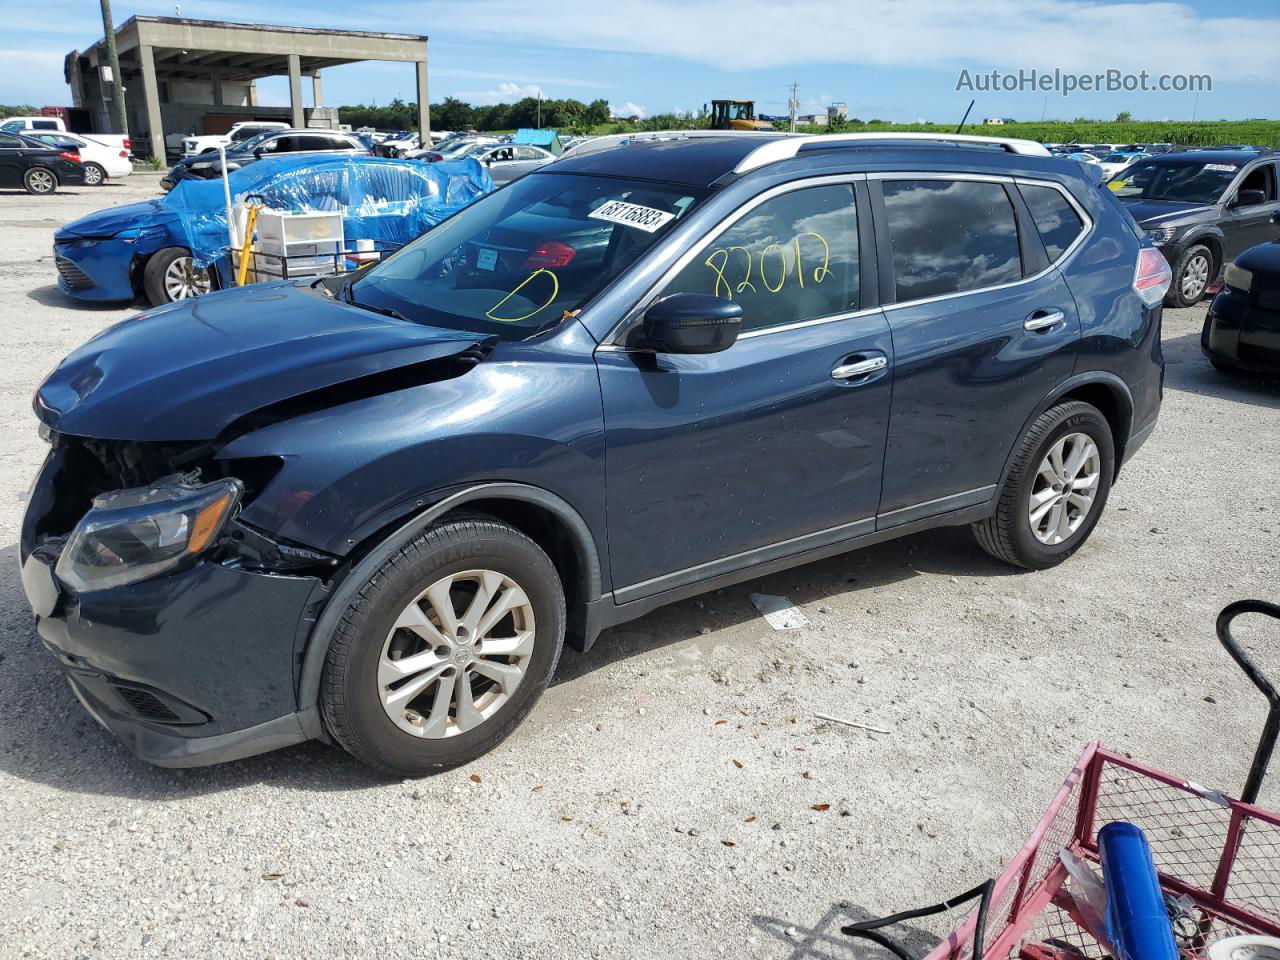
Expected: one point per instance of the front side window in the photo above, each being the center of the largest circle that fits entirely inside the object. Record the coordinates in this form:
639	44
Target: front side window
1186	181
8	140
950	236
518	260
791	259
1056	220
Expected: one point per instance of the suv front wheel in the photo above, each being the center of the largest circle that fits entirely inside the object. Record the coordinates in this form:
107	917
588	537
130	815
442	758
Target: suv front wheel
1055	489
445	649
1192	275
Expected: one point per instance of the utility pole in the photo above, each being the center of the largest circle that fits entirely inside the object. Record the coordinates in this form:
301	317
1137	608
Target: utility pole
113	61
793	105
539	108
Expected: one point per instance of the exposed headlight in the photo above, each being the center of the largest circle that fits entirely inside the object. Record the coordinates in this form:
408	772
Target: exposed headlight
130	535
1238	277
1162	235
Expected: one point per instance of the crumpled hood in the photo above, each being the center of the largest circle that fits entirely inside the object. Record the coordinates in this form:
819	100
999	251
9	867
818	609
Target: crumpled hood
109	222
1159	213
188	370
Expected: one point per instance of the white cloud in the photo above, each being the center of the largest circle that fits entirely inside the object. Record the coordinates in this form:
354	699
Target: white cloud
1075	35
506	92
627	109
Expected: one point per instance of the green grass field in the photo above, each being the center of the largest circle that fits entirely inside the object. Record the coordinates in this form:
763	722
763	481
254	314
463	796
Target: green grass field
1261	133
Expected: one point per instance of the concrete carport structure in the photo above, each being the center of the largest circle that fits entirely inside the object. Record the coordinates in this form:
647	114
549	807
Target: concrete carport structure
175	69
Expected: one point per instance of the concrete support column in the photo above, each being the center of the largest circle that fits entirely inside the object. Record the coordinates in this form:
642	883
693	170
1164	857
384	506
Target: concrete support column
217	91
151	97
317	90
295	90
424	104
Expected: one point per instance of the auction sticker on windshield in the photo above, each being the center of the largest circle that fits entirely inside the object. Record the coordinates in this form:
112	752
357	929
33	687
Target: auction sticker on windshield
1221	167
647	219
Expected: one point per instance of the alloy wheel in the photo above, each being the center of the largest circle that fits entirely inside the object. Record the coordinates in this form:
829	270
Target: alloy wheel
183	279
41	181
443	672
1195	277
92	175
1065	488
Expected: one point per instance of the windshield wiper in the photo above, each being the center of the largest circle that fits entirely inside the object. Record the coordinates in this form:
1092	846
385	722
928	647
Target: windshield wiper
348	297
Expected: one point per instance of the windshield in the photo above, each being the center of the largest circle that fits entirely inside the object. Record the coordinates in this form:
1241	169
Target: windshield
1188	181
247	146
518	260
1116	158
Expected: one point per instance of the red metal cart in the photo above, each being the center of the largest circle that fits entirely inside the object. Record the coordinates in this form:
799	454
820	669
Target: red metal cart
1218	858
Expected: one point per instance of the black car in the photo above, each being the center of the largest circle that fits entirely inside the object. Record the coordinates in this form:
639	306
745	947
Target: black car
274	143
1242	327
1202	208
37	167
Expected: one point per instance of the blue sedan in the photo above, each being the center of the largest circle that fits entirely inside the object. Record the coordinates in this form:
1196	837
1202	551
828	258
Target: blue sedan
175	247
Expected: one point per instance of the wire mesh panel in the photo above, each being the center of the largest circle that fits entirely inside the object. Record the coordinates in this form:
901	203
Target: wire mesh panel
1218	859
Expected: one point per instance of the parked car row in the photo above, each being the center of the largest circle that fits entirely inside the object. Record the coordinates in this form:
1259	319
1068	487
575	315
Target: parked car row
36	166
272	142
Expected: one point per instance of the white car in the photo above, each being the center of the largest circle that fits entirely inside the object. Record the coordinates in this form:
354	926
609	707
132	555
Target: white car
101	161
244	130
1113	163
30	125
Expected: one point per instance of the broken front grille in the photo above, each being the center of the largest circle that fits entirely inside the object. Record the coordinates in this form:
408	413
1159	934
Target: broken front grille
71	275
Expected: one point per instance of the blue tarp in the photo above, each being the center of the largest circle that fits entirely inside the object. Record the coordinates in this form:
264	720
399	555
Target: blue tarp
380	198
547	139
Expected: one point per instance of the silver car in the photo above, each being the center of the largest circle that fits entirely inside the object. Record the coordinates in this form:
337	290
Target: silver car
507	161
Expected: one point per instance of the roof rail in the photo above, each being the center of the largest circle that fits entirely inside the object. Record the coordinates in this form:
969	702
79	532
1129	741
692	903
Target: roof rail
596	144
785	148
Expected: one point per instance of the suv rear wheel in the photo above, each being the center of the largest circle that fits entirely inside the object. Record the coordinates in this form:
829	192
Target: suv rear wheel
1192	275
1055	490
445	649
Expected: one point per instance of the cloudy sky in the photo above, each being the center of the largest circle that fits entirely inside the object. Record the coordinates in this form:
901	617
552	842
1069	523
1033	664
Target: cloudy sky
890	59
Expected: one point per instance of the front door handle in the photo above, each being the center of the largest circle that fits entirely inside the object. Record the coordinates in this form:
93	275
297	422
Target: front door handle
859	368
1043	320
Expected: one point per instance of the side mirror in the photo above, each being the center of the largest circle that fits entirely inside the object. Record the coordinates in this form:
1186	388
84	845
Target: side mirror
692	323
1250	198
1275	218
258	152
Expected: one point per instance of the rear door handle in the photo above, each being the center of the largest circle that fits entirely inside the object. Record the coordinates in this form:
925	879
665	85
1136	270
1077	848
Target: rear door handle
859	368
1043	320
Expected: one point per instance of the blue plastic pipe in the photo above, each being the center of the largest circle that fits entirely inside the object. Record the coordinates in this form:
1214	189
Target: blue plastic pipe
1137	920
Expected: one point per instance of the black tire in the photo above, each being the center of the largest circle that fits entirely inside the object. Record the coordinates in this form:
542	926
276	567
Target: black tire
94	175
1222	367
350	694
40	181
153	274
1007	535
1194	254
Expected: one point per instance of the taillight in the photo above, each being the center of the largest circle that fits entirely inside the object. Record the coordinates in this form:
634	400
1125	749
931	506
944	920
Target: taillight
550	254
1152	277
74	157
128	144
124	153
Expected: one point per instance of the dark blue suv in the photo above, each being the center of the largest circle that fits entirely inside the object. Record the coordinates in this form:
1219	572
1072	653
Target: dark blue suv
372	508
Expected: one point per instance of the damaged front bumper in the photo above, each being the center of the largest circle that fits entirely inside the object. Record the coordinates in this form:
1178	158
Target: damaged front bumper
192	667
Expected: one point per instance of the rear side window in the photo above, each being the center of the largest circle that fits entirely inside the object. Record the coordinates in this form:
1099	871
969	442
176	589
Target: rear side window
950	236
8	140
791	259
1056	220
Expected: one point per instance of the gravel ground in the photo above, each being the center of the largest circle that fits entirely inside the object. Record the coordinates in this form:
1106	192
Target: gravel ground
659	802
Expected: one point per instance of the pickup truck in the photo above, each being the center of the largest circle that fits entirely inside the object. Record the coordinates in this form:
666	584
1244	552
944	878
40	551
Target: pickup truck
244	130
28	125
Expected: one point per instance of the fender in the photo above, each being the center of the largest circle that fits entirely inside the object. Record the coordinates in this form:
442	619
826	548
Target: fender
1118	388
318	644
1197	234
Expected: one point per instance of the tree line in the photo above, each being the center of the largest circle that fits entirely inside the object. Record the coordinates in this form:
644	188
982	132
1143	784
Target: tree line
572	116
